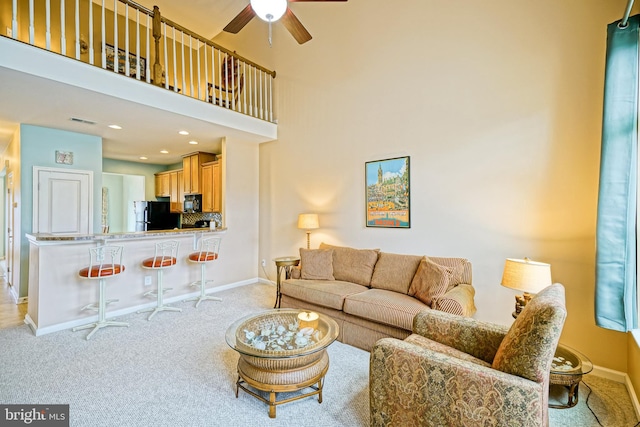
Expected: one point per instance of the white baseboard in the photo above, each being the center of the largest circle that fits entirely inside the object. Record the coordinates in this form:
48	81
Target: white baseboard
16	298
116	313
619	377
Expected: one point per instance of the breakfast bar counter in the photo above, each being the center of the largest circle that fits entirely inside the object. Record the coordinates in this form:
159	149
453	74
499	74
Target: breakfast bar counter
57	293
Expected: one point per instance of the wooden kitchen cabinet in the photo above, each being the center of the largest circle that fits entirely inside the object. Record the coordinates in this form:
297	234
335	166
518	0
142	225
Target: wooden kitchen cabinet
162	182
211	187
192	171
169	184
174	198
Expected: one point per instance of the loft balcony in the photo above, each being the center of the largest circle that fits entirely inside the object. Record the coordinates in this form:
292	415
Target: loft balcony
61	50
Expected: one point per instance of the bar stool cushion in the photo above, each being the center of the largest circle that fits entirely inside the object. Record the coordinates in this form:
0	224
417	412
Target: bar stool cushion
159	262
105	270
203	256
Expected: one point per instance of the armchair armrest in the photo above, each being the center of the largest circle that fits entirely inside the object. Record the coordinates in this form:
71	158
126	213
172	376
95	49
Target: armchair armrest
477	338
412	385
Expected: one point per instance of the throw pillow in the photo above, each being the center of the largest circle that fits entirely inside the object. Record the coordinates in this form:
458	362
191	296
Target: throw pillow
430	282
316	264
394	272
353	265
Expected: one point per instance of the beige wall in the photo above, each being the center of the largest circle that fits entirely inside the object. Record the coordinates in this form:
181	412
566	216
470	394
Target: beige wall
498	104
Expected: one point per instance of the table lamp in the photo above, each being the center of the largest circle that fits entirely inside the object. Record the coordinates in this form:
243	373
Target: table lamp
525	275
308	222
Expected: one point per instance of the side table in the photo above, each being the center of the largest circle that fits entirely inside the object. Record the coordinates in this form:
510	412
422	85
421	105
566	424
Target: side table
283	263
567	369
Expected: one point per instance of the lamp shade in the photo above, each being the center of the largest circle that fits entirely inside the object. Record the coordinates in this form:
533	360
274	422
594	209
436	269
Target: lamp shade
308	221
526	275
269	10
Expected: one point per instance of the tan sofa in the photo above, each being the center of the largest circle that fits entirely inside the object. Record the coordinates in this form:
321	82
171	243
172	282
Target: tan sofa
373	294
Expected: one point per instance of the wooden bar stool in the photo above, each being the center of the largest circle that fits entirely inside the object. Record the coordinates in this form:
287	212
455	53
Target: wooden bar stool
208	252
106	261
165	256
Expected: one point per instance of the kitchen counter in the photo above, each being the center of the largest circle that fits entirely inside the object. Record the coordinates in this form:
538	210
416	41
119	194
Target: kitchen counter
45	237
57	293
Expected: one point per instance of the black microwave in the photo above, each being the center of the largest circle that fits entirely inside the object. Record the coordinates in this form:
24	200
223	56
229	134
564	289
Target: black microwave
193	203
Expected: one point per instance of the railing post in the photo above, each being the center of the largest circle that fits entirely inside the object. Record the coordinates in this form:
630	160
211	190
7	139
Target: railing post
157	33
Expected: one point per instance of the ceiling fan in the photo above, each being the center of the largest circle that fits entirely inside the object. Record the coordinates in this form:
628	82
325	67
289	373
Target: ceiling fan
271	11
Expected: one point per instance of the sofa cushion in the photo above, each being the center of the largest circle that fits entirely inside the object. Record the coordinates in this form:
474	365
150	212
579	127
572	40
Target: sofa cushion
352	265
321	292
316	264
394	272
431	281
386	307
528	347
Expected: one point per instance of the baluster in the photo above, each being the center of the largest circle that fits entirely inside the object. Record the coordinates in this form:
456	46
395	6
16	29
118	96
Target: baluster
198	62
225	67
271	99
47	12
77	16
184	83
175	61
166	57
127	65
220	76
138	44
260	75
32	30
116	54
245	89
233	86
148	70
91	50
206	73
63	39
103	25
190	67
14	20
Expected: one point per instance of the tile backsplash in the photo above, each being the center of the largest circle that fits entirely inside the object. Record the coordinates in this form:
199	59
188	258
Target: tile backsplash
191	218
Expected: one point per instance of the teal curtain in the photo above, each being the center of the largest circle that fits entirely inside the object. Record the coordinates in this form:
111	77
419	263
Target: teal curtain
615	298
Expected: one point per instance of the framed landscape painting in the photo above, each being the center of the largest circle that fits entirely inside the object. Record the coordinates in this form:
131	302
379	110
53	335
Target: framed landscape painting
387	193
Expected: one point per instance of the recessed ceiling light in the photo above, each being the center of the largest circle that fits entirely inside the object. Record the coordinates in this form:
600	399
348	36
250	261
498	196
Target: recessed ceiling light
193	142
183	132
164	151
115	127
143	158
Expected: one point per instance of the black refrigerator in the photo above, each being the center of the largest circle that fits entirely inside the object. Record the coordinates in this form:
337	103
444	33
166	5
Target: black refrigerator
155	216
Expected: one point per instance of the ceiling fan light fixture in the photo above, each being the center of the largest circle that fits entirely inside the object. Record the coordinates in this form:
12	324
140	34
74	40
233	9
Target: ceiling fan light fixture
269	10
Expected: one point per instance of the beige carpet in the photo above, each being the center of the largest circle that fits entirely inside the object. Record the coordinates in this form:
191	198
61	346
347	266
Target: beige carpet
177	370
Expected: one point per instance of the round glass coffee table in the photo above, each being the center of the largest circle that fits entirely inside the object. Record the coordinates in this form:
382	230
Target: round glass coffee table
567	369
282	350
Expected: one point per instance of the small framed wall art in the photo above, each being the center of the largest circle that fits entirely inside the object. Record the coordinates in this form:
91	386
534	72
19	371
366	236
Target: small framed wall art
64	157
387	193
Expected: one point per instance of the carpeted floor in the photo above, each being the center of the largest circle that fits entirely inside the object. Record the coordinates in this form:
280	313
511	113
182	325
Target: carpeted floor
177	370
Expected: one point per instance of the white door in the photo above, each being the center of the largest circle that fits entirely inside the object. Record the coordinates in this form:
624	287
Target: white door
62	201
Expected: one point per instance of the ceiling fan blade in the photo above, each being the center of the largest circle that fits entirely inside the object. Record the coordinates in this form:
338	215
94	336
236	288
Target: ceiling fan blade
240	20
295	27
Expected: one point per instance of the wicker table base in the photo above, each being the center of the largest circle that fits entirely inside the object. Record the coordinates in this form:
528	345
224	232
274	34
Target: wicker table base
279	378
567	369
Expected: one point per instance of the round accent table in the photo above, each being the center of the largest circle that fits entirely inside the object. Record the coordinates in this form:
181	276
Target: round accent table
281	351
567	369
283	263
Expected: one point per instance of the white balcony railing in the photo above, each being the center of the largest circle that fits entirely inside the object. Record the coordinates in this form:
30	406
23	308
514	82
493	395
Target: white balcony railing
145	46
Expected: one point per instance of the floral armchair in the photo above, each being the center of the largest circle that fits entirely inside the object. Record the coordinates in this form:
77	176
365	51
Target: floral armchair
458	371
